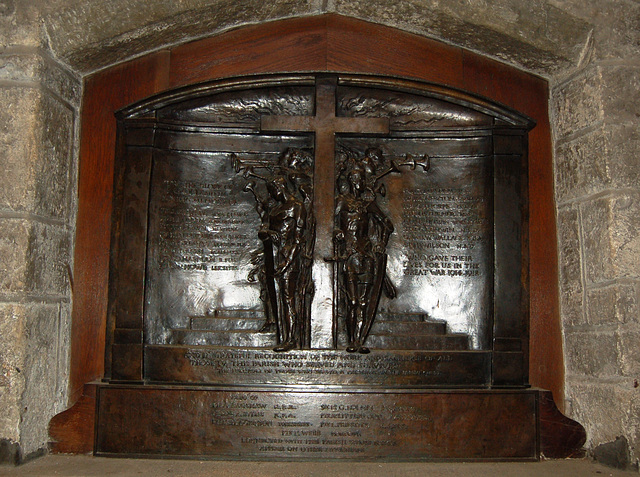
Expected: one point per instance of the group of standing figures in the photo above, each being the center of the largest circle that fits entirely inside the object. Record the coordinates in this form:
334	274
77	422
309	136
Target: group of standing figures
283	266
360	238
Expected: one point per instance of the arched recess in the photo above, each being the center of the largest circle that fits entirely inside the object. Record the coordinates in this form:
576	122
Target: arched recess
330	43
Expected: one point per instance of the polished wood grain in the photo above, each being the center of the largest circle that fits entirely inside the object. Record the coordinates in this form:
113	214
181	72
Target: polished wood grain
288	45
560	437
358	46
72	431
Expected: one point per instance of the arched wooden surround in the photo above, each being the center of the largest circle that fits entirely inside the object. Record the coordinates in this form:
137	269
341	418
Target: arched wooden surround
322	43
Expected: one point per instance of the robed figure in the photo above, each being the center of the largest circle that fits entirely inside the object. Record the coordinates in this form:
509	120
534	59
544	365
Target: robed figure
361	236
283	266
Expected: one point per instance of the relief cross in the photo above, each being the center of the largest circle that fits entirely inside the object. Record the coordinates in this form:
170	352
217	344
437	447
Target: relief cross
325	125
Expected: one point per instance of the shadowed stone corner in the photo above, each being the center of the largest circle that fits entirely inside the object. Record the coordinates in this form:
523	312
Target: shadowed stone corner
614	454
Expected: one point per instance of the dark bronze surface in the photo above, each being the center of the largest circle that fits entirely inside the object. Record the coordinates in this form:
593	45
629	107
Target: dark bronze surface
452	367
325	125
322	205
289	245
288	237
361	235
296	424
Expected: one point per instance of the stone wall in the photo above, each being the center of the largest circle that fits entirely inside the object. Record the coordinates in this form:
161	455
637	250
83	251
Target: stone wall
596	110
589	51
40	99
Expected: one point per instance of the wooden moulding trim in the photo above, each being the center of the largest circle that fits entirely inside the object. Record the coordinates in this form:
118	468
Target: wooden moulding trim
105	93
72	431
281	46
560	437
529	94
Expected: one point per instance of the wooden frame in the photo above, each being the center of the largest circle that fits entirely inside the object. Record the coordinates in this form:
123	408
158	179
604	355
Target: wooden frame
322	43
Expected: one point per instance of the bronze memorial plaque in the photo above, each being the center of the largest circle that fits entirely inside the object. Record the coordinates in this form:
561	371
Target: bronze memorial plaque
319	266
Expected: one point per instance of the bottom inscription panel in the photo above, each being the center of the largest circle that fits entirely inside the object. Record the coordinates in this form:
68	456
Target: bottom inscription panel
301	424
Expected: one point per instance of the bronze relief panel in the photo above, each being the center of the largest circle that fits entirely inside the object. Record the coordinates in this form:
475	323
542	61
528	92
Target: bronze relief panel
295	217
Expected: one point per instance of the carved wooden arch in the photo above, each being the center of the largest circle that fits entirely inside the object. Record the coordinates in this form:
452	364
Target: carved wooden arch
327	43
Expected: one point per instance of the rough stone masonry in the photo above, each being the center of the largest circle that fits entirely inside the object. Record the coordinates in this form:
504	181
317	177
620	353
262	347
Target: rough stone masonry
588	50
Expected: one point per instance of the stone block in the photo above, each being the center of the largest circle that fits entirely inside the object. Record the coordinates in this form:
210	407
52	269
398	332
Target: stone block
19	23
629	356
625	234
92	35
614	23
613	304
14	250
30	65
18	148
36	145
49	260
12	355
623	153
605	409
617	32
29	369
604	158
577	103
581	166
39	400
620	86
611	228
54	126
597	220
633	424
570	268
592	354
34	258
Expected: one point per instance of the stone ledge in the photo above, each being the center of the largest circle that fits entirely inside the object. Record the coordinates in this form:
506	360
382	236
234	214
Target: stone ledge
615	26
91	36
542	39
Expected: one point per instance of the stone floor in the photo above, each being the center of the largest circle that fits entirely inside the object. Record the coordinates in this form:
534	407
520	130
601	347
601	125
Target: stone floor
96	466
